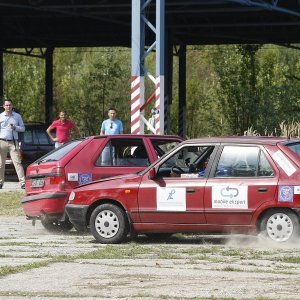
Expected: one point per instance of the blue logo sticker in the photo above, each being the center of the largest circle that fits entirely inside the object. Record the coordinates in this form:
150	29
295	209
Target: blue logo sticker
84	178
286	193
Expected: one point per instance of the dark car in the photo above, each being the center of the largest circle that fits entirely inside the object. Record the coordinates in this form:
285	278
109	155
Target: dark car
242	185
51	178
33	143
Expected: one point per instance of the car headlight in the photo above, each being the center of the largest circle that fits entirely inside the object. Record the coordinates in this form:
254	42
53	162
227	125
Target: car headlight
72	196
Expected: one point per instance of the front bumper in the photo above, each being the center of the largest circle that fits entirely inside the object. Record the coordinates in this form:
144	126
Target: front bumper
77	214
45	203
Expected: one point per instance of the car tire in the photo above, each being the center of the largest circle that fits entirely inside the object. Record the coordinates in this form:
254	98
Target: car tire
280	225
55	226
109	224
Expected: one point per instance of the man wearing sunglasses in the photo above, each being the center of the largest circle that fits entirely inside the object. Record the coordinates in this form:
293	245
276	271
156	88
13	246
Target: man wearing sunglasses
112	125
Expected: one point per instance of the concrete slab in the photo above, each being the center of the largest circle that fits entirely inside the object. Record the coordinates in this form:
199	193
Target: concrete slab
196	267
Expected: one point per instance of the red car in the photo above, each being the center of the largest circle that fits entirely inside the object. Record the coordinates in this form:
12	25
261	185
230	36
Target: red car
227	184
50	179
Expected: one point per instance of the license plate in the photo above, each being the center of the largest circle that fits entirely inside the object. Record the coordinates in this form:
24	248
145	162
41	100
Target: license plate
39	182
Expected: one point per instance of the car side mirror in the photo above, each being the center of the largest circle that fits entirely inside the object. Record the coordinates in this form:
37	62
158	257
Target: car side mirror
152	173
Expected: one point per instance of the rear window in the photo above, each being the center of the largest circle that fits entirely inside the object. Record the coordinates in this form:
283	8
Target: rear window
123	153
60	152
36	136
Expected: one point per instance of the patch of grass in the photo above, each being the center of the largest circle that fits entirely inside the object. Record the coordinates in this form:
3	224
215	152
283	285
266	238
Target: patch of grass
289	259
117	252
234	269
7	270
10	204
18	244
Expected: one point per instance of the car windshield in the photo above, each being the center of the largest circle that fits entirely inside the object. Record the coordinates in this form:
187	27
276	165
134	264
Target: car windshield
60	152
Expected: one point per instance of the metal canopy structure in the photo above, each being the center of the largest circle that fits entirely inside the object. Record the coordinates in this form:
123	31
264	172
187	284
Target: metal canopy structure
64	23
50	24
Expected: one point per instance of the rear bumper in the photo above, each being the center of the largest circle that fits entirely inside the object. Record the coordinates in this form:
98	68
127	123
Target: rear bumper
77	214
44	203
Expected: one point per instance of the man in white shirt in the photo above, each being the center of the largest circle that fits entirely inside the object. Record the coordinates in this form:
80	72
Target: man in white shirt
10	124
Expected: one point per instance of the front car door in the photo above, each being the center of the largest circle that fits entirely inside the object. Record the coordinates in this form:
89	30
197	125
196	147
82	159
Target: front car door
175	194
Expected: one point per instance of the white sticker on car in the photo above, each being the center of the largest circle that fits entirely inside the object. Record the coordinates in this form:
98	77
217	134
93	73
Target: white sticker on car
72	176
284	163
171	199
297	189
230	196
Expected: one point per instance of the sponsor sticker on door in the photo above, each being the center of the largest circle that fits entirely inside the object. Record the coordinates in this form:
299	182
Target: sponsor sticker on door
230	196
171	199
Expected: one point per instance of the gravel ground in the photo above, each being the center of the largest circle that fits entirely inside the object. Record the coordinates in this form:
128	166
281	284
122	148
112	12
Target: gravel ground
56	266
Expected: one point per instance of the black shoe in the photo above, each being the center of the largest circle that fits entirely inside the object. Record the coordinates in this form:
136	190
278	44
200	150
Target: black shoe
22	186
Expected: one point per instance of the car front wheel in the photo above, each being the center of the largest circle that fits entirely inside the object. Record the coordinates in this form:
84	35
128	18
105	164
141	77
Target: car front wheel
280	225
109	224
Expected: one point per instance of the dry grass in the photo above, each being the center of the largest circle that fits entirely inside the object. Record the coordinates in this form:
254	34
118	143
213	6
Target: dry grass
10	204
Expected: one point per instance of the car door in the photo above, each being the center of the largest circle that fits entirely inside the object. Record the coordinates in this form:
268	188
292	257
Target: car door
175	194
242	179
120	156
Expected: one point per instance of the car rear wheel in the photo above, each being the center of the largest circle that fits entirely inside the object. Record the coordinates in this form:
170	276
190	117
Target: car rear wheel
109	224
280	225
56	226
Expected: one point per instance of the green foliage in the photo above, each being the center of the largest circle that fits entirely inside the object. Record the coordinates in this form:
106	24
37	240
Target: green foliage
90	83
24	82
231	89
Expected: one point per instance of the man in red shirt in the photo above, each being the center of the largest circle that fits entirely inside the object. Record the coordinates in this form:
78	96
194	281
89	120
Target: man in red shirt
63	128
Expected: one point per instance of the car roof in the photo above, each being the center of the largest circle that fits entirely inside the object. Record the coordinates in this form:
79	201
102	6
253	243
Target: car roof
35	125
140	135
243	140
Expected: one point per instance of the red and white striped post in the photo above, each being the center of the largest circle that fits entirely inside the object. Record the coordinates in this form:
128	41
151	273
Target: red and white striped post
135	104
157	105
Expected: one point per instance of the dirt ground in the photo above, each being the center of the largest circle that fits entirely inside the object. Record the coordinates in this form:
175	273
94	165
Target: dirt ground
183	267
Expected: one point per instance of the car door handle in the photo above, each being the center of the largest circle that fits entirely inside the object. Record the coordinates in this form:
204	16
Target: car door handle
262	190
190	191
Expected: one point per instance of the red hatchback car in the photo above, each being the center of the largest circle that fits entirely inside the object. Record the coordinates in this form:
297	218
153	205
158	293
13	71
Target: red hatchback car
50	179
233	184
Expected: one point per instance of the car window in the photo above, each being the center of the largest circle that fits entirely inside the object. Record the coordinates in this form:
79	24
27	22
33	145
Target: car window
295	147
28	139
36	136
163	146
238	161
123	153
60	152
189	161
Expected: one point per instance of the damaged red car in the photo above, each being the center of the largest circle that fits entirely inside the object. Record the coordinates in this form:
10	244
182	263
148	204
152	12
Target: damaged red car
217	185
50	179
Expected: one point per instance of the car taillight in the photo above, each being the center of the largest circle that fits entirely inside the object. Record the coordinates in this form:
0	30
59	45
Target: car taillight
58	177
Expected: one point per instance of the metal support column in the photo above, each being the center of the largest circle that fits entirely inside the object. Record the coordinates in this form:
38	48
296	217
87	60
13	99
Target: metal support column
49	86
160	66
168	81
1	76
138	70
182	92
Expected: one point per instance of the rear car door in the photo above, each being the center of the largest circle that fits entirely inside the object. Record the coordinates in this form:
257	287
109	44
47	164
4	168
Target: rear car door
243	178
